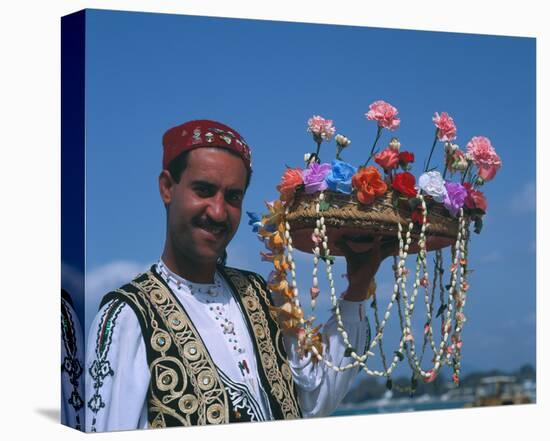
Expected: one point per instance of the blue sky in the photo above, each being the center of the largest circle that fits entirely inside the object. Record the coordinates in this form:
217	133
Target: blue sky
148	72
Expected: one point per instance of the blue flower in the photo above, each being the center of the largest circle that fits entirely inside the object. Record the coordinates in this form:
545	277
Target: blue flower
255	220
339	178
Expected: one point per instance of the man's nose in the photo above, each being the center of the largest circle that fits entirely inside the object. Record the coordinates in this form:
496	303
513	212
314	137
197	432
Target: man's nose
217	210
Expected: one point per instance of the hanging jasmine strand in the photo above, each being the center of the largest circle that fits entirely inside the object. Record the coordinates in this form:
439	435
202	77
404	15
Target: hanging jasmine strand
444	353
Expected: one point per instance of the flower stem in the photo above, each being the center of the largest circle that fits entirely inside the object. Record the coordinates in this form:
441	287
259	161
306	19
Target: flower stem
446	165
466	172
317	152
432	150
378	133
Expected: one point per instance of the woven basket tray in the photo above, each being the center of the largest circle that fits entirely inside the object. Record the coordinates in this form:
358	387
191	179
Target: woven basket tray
347	218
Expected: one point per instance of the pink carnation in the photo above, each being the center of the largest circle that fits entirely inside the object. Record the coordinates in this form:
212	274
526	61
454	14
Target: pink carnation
388	159
384	113
484	156
321	127
446	126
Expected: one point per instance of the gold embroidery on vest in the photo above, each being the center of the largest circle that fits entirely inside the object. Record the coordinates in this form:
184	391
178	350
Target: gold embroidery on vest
280	381
208	400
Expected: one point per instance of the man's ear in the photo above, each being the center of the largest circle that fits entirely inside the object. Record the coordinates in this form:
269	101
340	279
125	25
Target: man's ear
166	185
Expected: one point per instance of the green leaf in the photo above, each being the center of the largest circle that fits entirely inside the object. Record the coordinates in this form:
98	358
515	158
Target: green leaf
399	355
324	205
414	202
328	259
395	201
441	309
373	304
389	384
348	351
478	225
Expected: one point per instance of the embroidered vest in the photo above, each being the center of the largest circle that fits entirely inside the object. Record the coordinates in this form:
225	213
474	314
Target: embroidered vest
186	387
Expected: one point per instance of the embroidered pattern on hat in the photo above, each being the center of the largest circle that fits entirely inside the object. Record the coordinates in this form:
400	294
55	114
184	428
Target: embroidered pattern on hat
197	136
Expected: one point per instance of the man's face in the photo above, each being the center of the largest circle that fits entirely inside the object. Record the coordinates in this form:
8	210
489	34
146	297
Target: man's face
204	208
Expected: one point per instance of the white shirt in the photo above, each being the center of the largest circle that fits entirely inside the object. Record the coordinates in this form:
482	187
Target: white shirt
121	399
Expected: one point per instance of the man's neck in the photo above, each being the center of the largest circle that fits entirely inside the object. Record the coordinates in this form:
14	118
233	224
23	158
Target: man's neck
192	271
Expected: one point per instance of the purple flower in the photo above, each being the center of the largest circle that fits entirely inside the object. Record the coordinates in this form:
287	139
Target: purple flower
456	195
314	177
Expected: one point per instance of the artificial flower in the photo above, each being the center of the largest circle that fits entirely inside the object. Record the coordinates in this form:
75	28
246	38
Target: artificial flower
342	141
314	177
388	159
321	128
314	292
276	213
446	129
289	315
433	185
277	281
291	178
369	184
384	113
456	194
431	376
405	158
279	260
394	144
484	157
417	215
308	338
255	221
474	198
404	183
339	177
457	161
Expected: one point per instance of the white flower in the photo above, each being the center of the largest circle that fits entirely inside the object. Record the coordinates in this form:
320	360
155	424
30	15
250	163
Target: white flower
450	148
306	157
342	140
394	144
433	184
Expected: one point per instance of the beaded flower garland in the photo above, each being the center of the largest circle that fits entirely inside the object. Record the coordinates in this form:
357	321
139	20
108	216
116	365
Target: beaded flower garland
463	201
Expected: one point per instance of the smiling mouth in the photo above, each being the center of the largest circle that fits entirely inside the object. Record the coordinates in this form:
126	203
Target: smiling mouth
214	230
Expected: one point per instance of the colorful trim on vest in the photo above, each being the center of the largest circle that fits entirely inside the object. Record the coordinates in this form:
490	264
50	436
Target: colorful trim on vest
100	369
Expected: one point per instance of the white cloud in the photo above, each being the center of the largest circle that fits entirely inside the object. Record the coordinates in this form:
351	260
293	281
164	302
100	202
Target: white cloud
105	278
524	201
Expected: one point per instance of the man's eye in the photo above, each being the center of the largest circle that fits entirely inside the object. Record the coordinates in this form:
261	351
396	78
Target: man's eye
204	191
235	197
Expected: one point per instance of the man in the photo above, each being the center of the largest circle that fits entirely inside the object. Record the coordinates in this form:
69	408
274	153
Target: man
192	341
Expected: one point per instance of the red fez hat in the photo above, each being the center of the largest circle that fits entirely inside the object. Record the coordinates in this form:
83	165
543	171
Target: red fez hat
203	133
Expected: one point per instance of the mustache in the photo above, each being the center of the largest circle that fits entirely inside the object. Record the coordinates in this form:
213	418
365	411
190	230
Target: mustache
209	223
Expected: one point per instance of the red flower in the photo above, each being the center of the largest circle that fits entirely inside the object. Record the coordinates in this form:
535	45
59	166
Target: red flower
475	198
417	215
290	180
369	184
404	184
406	158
